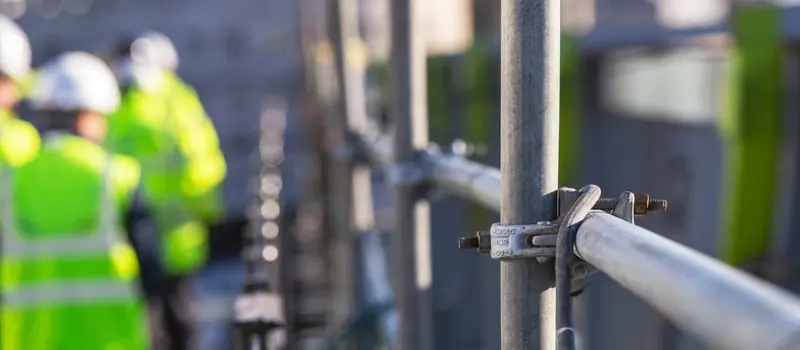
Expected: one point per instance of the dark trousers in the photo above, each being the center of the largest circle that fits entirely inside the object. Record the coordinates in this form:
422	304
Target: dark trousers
169	298
173	323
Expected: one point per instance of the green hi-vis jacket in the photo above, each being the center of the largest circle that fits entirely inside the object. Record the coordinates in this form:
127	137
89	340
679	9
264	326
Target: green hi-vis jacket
167	130
68	275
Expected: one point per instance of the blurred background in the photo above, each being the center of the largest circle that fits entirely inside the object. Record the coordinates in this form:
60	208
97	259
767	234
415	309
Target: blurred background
694	101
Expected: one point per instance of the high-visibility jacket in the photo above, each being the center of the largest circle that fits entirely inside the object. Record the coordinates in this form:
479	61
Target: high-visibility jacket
198	140
19	140
68	277
166	129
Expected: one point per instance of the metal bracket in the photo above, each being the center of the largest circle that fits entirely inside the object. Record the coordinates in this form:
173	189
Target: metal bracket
642	203
625	210
407	174
416	174
523	241
556	239
352	150
516	241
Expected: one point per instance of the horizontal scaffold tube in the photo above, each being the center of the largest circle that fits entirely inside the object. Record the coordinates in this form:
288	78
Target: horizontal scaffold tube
467	179
724	307
453	173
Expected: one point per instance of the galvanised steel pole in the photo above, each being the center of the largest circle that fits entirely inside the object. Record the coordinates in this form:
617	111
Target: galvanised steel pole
528	162
411	239
351	68
350	114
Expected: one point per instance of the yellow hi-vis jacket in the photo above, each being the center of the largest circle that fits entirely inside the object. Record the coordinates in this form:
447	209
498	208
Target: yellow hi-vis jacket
166	129
19	140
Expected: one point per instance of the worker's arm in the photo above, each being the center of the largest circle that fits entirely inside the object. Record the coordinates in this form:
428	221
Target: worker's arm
205	164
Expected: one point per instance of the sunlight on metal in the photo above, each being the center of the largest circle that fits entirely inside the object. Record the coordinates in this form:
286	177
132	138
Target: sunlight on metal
363	213
467	179
726	308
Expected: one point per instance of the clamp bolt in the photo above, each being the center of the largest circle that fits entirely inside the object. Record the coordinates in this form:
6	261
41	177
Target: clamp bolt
641	206
480	241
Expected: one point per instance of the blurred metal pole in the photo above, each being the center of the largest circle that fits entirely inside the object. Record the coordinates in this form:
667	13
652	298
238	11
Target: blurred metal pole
528	162
351	62
340	201
309	242
411	239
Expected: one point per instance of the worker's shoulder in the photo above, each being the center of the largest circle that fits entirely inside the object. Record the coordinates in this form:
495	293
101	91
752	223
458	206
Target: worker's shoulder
122	161
21	133
73	152
64	153
18	126
136	97
126	167
76	149
20	142
124	170
184	90
138	107
175	80
58	142
6	115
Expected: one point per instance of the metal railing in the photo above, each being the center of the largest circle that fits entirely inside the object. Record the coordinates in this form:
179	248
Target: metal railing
704	297
716	303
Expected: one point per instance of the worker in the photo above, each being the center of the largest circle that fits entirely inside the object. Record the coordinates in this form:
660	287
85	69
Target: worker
163	125
69	275
148	69
19	141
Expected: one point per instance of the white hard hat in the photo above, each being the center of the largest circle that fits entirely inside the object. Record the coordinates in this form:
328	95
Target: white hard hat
155	49
15	50
76	81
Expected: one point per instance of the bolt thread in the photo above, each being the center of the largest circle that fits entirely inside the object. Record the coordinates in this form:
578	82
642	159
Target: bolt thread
610	203
468	242
657	205
605	204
